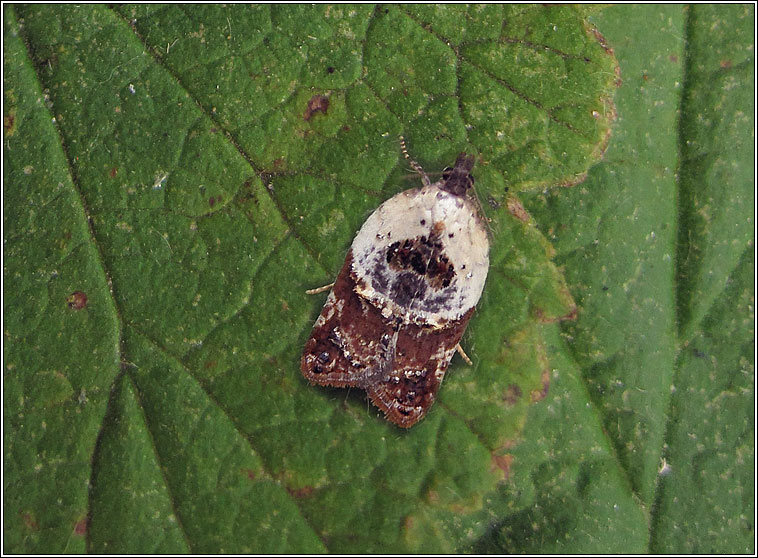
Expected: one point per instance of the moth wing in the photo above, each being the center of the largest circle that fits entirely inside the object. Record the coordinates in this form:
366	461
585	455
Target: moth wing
407	395
351	339
422	356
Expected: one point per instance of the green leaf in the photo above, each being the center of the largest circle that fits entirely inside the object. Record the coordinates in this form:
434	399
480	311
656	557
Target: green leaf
177	176
646	440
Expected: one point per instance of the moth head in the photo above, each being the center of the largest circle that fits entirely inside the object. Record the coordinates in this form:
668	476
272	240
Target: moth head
457	179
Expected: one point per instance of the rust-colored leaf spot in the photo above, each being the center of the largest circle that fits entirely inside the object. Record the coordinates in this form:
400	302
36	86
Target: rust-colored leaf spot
511	395
29	521
540	394
81	527
211	364
250	474
517	210
725	64
113	173
572	314
77	300
503	463
9	123
247	193
303	492
317	103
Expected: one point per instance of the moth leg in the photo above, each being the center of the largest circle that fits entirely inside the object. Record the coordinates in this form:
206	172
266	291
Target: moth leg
461	352
319	289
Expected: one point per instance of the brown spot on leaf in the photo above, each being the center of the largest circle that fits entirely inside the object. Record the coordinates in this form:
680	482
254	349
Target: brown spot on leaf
317	103
81	527
571	315
511	395
250	474
302	492
247	193
540	394
113	173
725	64
9	123
29	521
579	178
77	300
502	463
517	210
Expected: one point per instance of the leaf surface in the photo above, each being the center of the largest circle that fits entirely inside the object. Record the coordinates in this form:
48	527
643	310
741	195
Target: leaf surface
175	178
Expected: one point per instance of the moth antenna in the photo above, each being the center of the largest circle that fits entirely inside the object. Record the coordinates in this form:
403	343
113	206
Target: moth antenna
424	178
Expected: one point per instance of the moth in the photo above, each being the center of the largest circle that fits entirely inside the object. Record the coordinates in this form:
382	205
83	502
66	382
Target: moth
404	296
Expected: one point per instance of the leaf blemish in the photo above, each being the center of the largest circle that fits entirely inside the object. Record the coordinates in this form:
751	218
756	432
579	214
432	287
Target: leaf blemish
317	103
77	300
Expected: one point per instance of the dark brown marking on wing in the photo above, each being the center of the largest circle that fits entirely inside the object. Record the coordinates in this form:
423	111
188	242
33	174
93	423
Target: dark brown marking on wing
425	256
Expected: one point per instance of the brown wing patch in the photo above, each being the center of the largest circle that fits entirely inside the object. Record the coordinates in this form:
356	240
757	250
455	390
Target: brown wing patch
401	366
407	395
350	339
422	356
